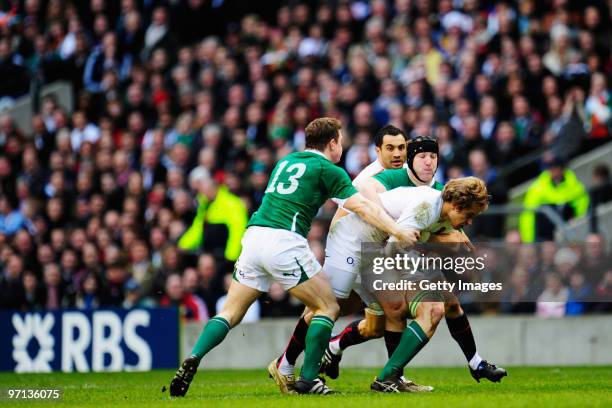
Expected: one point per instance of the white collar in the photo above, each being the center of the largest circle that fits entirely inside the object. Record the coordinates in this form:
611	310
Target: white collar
316	152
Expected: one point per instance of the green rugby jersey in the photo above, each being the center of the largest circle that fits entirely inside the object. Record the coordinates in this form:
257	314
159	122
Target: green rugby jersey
399	178
299	185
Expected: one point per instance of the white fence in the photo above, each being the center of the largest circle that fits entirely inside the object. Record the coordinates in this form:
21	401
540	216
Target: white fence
505	340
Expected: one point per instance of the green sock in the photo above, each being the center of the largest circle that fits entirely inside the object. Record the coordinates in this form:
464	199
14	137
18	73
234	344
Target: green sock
213	334
317	337
412	341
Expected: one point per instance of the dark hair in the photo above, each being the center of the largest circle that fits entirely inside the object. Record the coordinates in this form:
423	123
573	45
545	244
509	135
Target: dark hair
601	170
321	131
418	145
387	130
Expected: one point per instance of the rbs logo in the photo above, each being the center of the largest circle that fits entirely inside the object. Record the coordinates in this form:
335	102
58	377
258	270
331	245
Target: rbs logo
105	336
33	326
102	340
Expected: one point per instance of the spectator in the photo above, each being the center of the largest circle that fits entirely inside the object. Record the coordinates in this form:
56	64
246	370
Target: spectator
210	280
505	146
158	34
552	302
548	250
105	66
33	292
566	260
566	129
488	225
488	117
220	220
12	294
603	293
579	294
599	110
599	193
57	293
190	306
11	220
559	189
10	67
134	296
82	131
595	259
141	269
519	297
112	292
88	295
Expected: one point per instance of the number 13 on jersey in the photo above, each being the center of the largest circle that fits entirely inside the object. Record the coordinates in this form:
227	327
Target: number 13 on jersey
294	172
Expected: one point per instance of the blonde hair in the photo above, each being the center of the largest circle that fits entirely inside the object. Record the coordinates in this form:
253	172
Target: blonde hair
467	192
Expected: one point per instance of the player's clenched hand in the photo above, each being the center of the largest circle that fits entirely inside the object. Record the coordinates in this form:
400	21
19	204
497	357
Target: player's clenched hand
453	237
408	237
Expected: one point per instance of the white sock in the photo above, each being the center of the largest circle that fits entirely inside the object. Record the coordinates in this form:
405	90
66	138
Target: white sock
285	368
475	361
334	346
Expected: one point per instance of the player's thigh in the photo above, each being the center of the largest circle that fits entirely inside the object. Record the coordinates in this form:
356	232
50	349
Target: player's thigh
250	269
341	278
239	298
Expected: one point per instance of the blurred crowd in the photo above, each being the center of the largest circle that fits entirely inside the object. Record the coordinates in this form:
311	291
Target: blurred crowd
545	278
140	194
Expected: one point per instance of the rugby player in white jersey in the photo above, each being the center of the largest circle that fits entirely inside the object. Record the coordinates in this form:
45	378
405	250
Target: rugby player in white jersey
422	164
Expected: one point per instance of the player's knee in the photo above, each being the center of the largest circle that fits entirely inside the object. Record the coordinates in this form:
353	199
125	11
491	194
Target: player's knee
331	310
436	312
231	317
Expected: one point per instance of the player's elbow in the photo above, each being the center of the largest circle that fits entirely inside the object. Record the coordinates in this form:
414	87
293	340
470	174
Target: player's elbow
369	188
358	204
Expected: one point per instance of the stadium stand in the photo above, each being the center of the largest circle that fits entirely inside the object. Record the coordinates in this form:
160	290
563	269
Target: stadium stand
174	110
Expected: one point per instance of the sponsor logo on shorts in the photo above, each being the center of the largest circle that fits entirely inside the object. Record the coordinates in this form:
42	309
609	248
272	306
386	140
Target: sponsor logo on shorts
243	274
294	274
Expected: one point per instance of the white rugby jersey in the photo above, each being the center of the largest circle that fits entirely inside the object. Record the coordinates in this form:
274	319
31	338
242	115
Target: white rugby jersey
370	170
416	207
411	207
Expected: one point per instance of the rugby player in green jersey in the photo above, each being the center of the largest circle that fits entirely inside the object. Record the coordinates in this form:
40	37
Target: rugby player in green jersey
274	248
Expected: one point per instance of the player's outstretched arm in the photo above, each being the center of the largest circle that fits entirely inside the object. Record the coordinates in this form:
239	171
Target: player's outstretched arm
370	188
374	214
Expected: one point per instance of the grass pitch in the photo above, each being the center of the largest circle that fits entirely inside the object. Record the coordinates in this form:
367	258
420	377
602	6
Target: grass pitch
541	387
